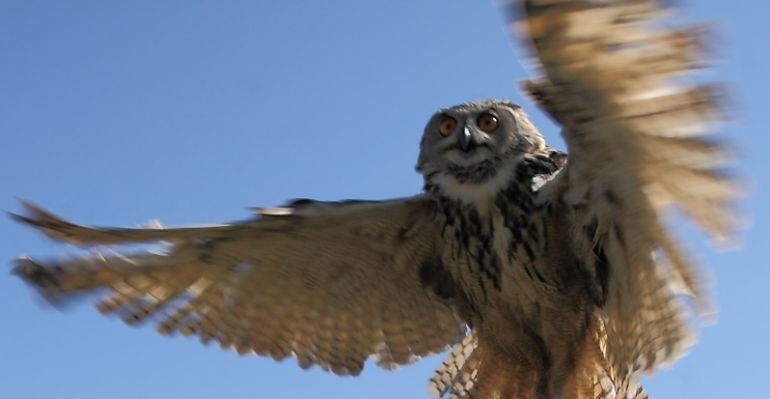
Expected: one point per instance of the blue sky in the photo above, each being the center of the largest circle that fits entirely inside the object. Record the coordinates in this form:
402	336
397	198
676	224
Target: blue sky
189	112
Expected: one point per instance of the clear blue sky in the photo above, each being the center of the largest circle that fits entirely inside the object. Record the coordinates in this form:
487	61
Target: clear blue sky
189	112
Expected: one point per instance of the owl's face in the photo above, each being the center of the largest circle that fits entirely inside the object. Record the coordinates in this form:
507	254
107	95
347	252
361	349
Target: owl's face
471	144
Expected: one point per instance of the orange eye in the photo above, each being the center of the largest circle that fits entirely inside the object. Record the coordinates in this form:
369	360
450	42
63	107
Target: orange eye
447	125
487	122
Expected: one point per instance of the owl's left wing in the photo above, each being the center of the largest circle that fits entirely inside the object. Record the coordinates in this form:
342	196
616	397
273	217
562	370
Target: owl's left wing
613	76
330	283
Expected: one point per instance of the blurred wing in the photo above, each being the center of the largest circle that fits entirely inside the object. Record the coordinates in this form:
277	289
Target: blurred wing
328	283
612	75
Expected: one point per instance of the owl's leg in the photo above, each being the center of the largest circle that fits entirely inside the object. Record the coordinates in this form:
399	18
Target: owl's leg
588	379
502	376
593	378
566	335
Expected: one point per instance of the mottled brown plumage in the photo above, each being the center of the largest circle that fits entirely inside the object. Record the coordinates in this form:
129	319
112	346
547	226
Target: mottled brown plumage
552	278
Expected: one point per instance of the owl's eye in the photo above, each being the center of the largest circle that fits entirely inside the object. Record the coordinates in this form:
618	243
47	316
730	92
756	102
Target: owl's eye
487	122
447	125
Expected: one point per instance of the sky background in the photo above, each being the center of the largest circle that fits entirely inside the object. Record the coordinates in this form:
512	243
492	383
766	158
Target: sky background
115	113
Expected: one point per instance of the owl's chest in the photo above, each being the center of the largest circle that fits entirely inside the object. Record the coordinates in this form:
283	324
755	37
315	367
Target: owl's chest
497	256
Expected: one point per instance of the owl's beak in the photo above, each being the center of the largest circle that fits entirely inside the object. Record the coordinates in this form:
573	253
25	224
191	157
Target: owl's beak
466	140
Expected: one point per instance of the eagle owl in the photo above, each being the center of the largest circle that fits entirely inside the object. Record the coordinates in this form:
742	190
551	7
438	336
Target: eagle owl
548	276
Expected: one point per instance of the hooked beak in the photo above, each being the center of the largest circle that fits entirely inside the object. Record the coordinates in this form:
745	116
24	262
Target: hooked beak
466	140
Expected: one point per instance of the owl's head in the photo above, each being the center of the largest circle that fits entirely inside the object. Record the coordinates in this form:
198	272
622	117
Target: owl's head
475	146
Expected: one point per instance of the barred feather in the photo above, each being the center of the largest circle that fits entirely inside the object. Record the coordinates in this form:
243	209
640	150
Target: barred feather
330	284
457	375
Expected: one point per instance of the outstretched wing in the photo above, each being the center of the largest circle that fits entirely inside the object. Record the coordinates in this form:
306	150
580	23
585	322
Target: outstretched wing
636	131
328	283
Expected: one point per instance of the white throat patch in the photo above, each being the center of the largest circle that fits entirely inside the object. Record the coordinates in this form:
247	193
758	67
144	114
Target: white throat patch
475	193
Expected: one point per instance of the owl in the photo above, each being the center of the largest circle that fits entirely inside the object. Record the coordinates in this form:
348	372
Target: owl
546	275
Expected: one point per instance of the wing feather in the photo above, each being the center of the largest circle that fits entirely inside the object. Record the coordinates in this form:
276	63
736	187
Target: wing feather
331	284
637	133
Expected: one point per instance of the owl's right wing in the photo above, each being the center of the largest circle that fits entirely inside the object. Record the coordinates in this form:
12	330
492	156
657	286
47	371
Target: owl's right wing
330	283
616	78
